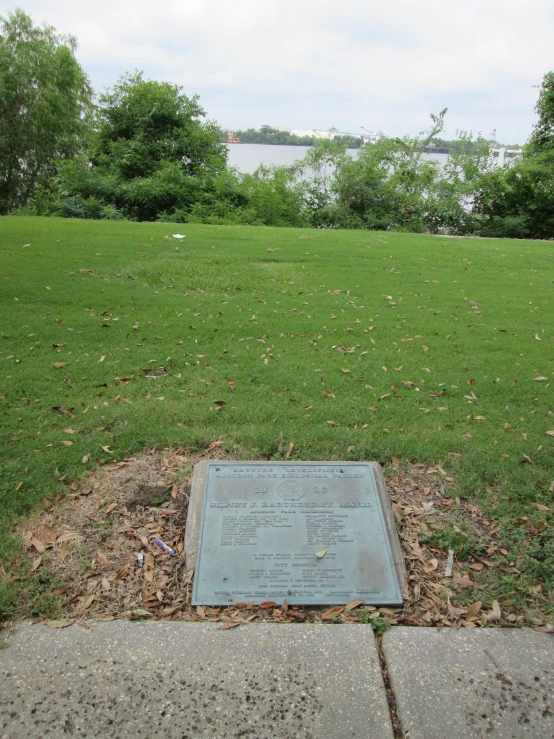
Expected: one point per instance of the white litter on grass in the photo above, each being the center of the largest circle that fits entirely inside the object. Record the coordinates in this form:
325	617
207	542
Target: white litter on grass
449	563
178	236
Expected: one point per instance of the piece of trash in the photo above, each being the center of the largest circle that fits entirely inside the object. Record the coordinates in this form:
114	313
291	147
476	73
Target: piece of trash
231	386
140	559
178	236
449	563
322	552
164	546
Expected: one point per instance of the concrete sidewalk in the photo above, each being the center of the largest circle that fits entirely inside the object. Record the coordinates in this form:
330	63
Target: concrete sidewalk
186	680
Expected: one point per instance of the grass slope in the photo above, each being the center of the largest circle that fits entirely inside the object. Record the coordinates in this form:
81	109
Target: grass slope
351	345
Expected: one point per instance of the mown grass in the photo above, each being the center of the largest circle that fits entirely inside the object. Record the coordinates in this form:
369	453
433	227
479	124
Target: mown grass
351	345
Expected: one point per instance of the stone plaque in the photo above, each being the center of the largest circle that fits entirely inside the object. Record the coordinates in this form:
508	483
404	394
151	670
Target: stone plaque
313	533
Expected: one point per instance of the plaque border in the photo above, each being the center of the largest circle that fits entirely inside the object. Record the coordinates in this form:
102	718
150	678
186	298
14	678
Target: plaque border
198	496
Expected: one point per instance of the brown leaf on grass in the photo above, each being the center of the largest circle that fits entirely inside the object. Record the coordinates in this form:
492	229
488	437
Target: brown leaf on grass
549	433
38	545
332	423
541	507
87	602
462	582
49	534
182	425
353	604
59	365
330	612
101	559
216	444
174	491
495	613
19	484
478	567
267	604
396	462
70	431
36	564
121	573
431	565
473	610
106	448
69	536
540	379
289	450
328	394
66	443
85	459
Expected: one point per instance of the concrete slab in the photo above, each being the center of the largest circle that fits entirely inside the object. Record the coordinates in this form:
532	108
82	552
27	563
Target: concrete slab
185	680
472	683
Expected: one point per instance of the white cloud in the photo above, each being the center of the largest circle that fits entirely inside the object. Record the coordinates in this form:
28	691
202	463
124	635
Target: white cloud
315	64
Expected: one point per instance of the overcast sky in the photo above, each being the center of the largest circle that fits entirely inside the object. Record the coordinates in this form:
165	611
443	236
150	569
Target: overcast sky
317	64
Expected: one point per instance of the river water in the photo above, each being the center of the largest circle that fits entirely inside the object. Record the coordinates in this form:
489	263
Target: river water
248	157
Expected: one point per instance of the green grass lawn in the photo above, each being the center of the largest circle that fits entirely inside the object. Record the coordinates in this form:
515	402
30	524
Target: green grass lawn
352	345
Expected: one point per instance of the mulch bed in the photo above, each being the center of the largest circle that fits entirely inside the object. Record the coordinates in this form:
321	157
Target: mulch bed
90	538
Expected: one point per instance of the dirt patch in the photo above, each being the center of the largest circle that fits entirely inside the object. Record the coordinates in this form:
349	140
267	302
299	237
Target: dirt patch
102	540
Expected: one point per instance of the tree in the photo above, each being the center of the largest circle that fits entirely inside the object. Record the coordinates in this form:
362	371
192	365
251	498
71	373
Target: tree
150	152
542	138
45	101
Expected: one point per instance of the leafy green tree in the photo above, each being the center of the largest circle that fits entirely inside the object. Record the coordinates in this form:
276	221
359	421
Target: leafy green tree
45	102
542	138
150	156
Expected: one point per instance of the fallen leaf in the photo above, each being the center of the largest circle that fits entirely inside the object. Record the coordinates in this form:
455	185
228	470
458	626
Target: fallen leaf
36	564
396	462
102	358
229	625
58	624
201	612
542	507
38	545
353	604
106	449
267	604
101	559
85	459
122	573
59	365
495	613
70	431
330	612
49	534
549	433
328	394
473	610
289	450
66	443
322	553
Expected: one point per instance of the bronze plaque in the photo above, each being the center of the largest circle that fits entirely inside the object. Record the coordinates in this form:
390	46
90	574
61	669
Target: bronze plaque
311	533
